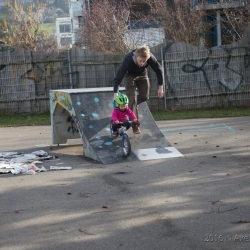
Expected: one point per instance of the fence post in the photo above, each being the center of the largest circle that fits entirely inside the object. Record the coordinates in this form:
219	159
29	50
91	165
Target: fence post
70	72
163	73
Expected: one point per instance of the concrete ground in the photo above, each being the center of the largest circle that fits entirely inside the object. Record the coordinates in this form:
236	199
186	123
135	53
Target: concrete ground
199	201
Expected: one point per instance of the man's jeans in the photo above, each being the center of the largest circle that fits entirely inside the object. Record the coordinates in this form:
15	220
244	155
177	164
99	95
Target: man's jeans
141	83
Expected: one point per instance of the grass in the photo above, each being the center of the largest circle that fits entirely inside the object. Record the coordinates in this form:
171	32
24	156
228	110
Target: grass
44	118
201	113
48	27
25	120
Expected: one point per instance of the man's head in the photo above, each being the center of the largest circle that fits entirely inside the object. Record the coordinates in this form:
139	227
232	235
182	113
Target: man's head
142	54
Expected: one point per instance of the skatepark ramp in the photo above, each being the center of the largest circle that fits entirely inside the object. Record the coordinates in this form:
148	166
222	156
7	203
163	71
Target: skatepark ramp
86	114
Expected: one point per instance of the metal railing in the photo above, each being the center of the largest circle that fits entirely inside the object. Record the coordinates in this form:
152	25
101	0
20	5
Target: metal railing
217	4
194	77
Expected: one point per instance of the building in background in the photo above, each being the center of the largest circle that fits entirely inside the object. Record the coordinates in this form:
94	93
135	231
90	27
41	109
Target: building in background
217	36
64	34
76	8
67	27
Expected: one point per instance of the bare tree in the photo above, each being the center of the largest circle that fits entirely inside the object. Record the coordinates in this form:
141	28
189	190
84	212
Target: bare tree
23	28
109	22
104	27
234	21
109	25
182	24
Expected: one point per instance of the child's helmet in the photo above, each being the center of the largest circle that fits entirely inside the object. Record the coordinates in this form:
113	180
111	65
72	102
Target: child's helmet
121	99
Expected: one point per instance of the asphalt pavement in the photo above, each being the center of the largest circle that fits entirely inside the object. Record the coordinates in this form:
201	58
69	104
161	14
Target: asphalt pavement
199	201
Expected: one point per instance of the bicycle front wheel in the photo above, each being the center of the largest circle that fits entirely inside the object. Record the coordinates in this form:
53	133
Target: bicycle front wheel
126	146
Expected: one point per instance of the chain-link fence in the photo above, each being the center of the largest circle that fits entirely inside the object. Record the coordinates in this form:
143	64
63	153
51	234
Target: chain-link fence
206	78
194	78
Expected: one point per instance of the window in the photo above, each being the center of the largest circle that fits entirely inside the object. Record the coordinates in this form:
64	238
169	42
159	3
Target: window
66	41
65	28
80	21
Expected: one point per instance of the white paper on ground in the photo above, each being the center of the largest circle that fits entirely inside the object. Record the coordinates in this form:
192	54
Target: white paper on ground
16	170
25	158
31	172
157	153
6	154
59	168
4	170
40	153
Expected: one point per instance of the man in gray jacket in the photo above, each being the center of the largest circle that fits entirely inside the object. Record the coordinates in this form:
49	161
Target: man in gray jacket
133	72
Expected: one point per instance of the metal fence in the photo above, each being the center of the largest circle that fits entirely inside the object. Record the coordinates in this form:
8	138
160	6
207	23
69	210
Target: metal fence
194	77
207	78
26	78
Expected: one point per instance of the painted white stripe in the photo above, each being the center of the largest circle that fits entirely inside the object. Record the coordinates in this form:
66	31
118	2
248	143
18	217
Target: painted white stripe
208	128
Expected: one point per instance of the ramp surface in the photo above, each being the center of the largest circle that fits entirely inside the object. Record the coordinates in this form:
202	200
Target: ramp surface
91	110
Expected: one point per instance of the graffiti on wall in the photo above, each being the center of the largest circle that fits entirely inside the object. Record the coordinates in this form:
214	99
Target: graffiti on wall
2	66
49	77
217	71
6	49
237	77
28	81
72	129
62	99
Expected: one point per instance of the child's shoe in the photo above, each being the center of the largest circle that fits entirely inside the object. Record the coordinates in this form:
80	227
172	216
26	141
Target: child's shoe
136	130
115	134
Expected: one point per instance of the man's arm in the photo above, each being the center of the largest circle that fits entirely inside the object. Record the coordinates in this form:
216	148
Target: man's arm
154	64
119	76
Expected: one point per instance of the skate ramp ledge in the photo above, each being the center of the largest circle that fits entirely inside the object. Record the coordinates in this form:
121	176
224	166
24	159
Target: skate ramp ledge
88	90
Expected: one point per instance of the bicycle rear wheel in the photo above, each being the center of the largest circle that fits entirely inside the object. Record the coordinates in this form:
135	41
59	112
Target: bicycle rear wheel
126	146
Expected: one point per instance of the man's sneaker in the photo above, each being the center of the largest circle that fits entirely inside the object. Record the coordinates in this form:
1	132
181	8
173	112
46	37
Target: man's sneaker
136	130
115	135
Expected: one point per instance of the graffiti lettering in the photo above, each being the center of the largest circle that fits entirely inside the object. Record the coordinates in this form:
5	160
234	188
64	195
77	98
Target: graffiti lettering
2	67
72	128
189	68
6	48
222	70
48	77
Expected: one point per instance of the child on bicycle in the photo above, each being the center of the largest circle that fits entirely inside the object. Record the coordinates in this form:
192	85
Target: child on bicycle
121	114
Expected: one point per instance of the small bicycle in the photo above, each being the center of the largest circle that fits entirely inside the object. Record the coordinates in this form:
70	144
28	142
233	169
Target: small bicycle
122	132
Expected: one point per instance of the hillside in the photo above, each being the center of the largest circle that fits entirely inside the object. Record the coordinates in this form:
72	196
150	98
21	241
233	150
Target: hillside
55	8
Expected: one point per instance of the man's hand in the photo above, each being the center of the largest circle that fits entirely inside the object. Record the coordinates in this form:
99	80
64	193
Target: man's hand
115	95
160	91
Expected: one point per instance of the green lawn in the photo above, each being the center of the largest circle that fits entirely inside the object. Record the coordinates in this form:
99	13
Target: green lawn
24	120
201	113
48	27
44	119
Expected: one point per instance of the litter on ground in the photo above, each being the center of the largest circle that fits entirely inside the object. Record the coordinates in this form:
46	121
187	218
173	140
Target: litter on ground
20	163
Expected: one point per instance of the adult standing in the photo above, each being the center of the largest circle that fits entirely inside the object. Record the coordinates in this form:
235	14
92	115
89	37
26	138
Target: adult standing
133	72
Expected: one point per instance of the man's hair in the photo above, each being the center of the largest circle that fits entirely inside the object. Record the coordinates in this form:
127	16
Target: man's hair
142	51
